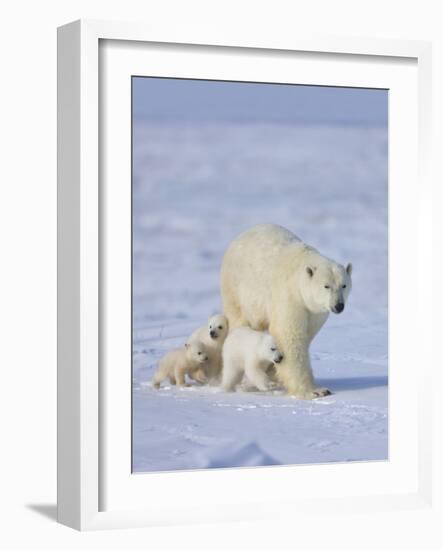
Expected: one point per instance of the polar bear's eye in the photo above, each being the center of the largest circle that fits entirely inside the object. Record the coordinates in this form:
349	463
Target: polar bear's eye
273	349
220	328
199	352
327	286
344	286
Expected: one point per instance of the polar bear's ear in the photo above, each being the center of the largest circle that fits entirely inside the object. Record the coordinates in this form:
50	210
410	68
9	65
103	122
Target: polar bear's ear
310	271
187	345
349	269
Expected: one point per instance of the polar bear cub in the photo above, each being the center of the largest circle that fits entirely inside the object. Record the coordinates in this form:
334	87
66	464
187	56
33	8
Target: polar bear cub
176	364
212	336
248	352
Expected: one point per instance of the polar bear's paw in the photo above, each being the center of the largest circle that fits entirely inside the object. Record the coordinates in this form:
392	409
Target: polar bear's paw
320	392
308	394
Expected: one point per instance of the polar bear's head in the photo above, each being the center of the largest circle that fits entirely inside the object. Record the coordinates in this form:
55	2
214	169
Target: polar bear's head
218	327
196	352
268	350
326	287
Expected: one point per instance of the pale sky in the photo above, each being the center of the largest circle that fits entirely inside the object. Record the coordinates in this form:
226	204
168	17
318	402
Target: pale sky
199	100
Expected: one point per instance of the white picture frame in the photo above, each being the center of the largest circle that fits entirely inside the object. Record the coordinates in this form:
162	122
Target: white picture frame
83	442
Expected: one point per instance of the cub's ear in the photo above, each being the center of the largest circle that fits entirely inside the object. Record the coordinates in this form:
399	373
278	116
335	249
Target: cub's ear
310	271
349	269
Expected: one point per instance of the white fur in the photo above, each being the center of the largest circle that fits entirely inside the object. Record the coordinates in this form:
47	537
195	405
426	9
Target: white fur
189	360
249	352
212	335
271	280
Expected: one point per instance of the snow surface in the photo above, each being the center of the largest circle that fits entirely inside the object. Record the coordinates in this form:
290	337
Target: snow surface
195	188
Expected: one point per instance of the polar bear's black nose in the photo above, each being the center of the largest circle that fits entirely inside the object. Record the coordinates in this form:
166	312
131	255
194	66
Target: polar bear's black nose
339	307
212	334
279	358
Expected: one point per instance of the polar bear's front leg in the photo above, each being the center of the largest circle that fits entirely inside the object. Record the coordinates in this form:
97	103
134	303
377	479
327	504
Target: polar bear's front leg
295	371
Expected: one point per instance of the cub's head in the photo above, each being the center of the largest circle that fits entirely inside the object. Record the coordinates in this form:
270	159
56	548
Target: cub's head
218	327
326	287
269	351
196	352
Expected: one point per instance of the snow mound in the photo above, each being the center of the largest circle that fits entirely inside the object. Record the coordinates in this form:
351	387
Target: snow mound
249	454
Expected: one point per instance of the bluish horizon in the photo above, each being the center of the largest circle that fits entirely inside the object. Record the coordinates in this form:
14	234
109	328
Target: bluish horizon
185	100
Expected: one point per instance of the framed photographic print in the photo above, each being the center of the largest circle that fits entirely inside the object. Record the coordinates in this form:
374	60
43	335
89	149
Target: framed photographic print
238	230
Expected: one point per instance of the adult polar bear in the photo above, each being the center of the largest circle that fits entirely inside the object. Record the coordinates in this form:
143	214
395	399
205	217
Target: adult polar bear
271	280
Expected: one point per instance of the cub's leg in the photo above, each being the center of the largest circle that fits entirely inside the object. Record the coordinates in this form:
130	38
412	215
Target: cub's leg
214	369
257	375
232	374
198	375
157	380
180	373
271	373
160	374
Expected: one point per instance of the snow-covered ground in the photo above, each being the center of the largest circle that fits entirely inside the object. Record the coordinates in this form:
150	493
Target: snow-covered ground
195	188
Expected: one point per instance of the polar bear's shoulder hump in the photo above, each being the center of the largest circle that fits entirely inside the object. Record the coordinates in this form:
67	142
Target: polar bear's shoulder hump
271	230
